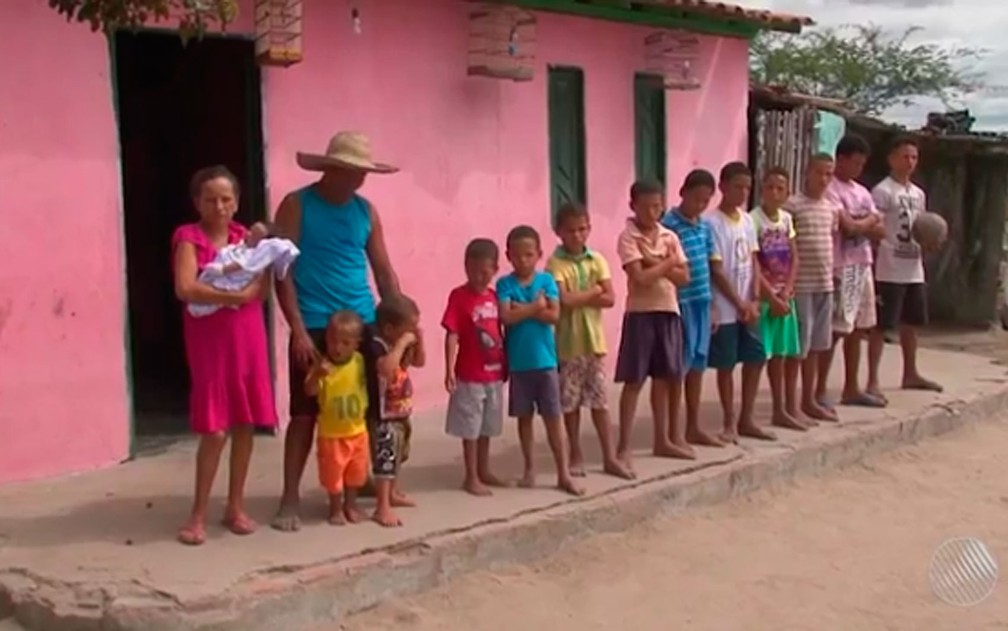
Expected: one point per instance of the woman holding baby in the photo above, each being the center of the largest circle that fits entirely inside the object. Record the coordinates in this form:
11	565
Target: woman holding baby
232	391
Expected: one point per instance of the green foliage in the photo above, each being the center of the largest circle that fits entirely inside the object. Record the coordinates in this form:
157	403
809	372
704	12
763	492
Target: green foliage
865	66
194	17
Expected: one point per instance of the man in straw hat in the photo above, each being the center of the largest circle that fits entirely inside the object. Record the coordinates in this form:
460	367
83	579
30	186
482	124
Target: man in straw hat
339	234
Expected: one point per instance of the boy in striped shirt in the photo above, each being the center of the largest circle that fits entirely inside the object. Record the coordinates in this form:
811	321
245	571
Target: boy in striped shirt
694	303
816	219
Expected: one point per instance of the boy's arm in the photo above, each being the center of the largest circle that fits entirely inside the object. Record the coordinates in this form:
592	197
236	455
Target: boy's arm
450	356
419	358
572	299
511	313
607	297
388	363
633	261
793	272
551	314
679	271
723	285
311	383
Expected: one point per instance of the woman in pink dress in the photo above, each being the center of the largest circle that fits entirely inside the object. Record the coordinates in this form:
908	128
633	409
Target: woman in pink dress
227	353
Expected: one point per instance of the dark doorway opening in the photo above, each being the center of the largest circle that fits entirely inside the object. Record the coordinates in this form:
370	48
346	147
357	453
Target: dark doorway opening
181	107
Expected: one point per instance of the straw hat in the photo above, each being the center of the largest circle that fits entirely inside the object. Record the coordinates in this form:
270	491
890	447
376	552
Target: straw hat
347	150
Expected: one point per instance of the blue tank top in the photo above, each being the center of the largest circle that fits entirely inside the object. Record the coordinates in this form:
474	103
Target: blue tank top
332	272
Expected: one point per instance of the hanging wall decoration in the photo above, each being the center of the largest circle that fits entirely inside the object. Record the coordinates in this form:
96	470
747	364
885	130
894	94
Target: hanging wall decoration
673	56
278	32
502	42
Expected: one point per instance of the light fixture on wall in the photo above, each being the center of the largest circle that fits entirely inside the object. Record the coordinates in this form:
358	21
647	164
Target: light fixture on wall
502	42
673	56
278	32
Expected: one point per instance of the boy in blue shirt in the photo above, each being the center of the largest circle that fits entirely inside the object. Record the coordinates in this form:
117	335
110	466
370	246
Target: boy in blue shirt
529	308
694	233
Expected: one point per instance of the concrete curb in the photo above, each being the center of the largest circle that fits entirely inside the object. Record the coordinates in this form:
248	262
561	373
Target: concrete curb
324	593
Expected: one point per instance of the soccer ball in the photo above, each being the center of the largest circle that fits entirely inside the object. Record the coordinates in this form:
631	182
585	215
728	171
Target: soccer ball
930	230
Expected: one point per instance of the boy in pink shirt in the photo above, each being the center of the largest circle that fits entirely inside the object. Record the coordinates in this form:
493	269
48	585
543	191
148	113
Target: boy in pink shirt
853	284
651	340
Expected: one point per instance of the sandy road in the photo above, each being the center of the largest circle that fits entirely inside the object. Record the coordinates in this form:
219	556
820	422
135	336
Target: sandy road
846	552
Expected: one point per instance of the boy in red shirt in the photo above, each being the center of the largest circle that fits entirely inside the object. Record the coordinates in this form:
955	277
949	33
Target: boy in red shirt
474	365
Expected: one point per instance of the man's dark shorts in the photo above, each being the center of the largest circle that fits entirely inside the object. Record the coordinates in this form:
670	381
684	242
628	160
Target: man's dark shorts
302	405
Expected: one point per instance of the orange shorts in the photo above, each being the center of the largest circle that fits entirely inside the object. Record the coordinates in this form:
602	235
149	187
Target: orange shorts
343	462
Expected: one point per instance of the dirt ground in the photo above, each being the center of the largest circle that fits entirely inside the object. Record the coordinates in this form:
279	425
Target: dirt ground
845	552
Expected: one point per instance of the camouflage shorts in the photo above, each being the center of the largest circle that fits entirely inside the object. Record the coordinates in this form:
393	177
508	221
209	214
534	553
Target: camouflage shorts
583	384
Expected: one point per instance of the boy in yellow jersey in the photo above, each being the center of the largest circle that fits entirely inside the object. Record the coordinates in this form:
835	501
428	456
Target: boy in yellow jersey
338	381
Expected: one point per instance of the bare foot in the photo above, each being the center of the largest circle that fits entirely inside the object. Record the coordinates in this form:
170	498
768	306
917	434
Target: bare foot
752	430
702	438
287	518
728	437
920	383
476	487
618	469
568	486
816	411
528	480
385	517
353	514
491	480
401	500
193	533
626	458
238	523
336	517
577	469
876	392
785	420
671	450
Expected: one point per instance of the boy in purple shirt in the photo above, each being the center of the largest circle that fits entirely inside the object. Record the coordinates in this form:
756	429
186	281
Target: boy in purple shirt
854	286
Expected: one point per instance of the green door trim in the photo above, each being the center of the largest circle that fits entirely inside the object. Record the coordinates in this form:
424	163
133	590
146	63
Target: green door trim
667	16
650	131
566	124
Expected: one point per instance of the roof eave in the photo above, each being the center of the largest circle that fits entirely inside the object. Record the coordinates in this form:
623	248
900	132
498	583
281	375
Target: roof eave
721	19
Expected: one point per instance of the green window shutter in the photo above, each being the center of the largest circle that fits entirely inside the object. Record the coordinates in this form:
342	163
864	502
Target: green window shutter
649	127
566	137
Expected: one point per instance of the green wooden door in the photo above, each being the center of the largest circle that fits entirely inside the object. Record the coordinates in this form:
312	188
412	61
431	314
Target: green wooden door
649	127
566	137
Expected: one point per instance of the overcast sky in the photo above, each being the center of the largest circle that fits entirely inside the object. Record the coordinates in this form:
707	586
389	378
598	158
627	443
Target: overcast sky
975	23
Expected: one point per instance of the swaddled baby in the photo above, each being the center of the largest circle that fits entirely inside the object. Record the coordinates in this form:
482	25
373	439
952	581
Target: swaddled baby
237	265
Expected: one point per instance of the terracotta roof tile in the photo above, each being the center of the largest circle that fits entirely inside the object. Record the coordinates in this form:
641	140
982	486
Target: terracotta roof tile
759	17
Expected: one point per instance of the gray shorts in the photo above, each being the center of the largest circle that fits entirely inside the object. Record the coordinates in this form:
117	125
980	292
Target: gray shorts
475	410
815	321
532	391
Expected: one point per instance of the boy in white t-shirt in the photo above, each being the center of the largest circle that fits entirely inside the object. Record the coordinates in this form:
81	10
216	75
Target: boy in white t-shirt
899	269
735	274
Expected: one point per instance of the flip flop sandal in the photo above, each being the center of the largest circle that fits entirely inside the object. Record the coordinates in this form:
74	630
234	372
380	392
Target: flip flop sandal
240	525
864	400
191	536
827	405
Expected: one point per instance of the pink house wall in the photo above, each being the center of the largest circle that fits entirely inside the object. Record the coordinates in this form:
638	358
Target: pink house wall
63	392
474	152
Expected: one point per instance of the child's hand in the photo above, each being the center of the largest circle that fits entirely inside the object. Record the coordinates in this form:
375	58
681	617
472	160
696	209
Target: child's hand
409	338
541	303
449	382
748	312
778	307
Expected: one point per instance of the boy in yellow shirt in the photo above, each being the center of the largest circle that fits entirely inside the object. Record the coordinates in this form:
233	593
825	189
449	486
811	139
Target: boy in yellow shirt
585	283
338	381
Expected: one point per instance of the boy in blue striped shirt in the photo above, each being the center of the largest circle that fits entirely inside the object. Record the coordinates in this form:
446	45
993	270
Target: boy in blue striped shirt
694	303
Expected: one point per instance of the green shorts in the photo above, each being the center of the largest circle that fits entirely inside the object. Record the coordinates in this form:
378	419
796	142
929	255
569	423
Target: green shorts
780	333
